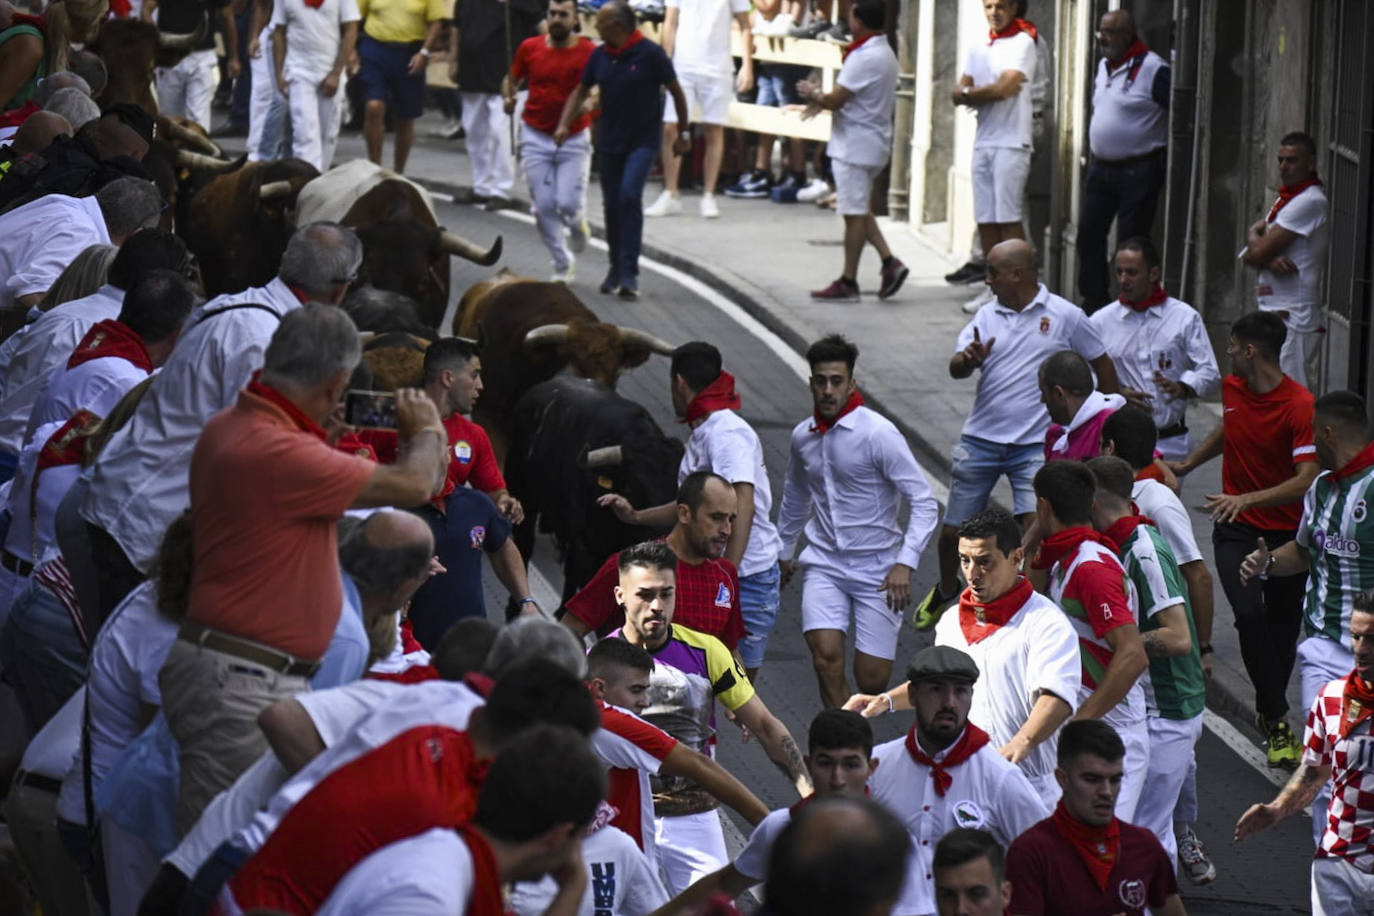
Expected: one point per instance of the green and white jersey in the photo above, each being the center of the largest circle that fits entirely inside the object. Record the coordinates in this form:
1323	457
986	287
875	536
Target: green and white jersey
1337	531
1175	688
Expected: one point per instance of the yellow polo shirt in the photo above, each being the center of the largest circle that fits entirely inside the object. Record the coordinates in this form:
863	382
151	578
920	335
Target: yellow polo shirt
402	21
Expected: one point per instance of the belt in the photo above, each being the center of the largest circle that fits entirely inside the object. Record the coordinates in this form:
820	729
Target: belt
1132	160
37	781
248	650
21	568
1175	429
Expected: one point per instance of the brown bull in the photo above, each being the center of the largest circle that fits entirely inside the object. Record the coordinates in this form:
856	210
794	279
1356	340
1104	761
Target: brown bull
130	49
528	332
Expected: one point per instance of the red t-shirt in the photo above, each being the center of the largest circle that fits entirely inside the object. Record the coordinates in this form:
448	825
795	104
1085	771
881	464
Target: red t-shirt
1049	878
424	778
707	599
553	73
471	458
1267	436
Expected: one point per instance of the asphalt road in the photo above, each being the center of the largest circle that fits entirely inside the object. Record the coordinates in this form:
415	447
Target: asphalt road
1267	875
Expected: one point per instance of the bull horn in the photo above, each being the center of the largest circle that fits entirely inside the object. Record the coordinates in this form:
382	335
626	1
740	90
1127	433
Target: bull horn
189	160
648	341
173	41
545	335
186	135
607	456
274	189
456	244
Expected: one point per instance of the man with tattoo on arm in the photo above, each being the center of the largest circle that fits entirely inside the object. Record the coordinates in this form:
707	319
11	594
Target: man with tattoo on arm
691	671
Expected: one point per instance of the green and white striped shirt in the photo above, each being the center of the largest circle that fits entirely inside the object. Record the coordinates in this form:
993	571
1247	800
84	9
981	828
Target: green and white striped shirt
1337	531
1175	688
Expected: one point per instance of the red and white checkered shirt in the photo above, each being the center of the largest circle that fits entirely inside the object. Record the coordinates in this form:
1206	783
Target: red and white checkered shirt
1350	818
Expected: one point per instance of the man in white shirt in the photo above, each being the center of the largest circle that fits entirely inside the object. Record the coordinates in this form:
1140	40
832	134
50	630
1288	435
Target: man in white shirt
1288	249
696	35
704	397
1159	345
946	773
139	482
847	474
310	44
1129	138
994	85
860	145
1008	340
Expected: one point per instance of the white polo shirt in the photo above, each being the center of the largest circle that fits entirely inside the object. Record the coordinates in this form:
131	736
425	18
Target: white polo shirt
702	44
312	35
861	128
752	861
432	872
1005	123
1126	119
139	485
620	881
846	487
1007	408
726	445
47	344
1035	652
1169	338
42	238
1159	503
988	792
1305	216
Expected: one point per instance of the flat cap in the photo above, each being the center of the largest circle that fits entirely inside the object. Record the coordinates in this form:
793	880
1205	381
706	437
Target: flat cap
935	662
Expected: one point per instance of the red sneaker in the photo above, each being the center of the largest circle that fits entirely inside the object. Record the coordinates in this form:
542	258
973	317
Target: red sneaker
893	276
842	290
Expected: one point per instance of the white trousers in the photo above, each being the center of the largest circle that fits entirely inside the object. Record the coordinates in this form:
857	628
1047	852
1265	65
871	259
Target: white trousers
1320	661
186	89
266	108
130	867
1137	765
315	120
1171	750
690	847
1299	350
557	177
488	128
1341	889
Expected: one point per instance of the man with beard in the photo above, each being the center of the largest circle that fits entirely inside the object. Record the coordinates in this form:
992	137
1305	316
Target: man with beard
691	671
946	773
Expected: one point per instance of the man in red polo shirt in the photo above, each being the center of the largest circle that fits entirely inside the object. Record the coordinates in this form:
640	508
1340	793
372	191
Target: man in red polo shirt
707	583
266	493
1082	860
1269	459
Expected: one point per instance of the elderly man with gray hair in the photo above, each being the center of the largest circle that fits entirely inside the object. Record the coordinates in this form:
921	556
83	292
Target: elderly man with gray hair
139	482
267	491
75	105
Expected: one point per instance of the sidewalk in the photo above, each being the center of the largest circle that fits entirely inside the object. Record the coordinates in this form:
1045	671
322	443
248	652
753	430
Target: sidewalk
767	258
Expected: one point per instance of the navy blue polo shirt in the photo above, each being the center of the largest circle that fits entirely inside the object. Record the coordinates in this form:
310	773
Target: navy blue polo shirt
470	527
631	105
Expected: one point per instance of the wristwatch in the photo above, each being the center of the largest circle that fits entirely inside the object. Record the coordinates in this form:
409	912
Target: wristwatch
966	90
424	52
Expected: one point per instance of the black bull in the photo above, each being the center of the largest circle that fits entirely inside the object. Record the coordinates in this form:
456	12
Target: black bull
555	424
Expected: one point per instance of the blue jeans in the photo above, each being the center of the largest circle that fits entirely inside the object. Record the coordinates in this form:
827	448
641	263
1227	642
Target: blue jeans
622	190
978	463
1128	192
8	463
41	654
758	602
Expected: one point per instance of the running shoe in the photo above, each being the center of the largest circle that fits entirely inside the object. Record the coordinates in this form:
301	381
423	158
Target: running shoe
927	613
577	235
565	277
755	184
628	291
814	191
970	273
894	274
842	290
1281	747
611	283
1192	856
837	34
666	205
709	208
812	29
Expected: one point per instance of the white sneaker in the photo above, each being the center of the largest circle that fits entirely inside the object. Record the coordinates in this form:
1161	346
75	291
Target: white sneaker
566	277
666	205
983	298
815	189
577	235
709	210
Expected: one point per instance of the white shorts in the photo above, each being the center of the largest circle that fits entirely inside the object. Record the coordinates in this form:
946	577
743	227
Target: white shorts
999	184
853	186
708	97
829	602
690	847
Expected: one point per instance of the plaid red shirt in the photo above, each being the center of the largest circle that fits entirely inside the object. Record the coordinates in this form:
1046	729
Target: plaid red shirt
707	600
1350	818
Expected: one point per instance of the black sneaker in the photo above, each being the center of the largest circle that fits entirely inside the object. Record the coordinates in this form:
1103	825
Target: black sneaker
611	283
838	33
812	29
754	185
894	274
968	274
628	291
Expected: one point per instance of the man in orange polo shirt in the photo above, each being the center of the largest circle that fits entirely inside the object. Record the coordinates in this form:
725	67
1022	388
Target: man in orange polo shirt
266	492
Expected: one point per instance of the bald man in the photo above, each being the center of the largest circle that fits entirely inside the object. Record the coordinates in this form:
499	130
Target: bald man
1007	341
38	131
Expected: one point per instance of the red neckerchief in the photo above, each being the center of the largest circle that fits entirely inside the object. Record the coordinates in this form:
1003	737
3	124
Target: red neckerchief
1016	25
280	401
1357	464
1098	847
970	742
719	395
67	446
415	674
979	620
856	44
1357	703
1122	529
487	899
1138	49
121	8
352	444
1158	296
111	338
1288	192
635	38
479	683
1057	546
818	425
1151	471
17	116
314	4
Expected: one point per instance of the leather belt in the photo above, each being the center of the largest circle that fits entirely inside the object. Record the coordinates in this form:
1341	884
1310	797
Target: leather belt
1132	160
37	781
1175	429
248	650
21	568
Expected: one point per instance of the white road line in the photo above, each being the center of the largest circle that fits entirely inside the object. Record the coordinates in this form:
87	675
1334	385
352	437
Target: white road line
1243	748
542	591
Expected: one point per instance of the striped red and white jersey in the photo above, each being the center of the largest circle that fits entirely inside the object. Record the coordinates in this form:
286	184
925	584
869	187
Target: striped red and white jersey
1350	817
